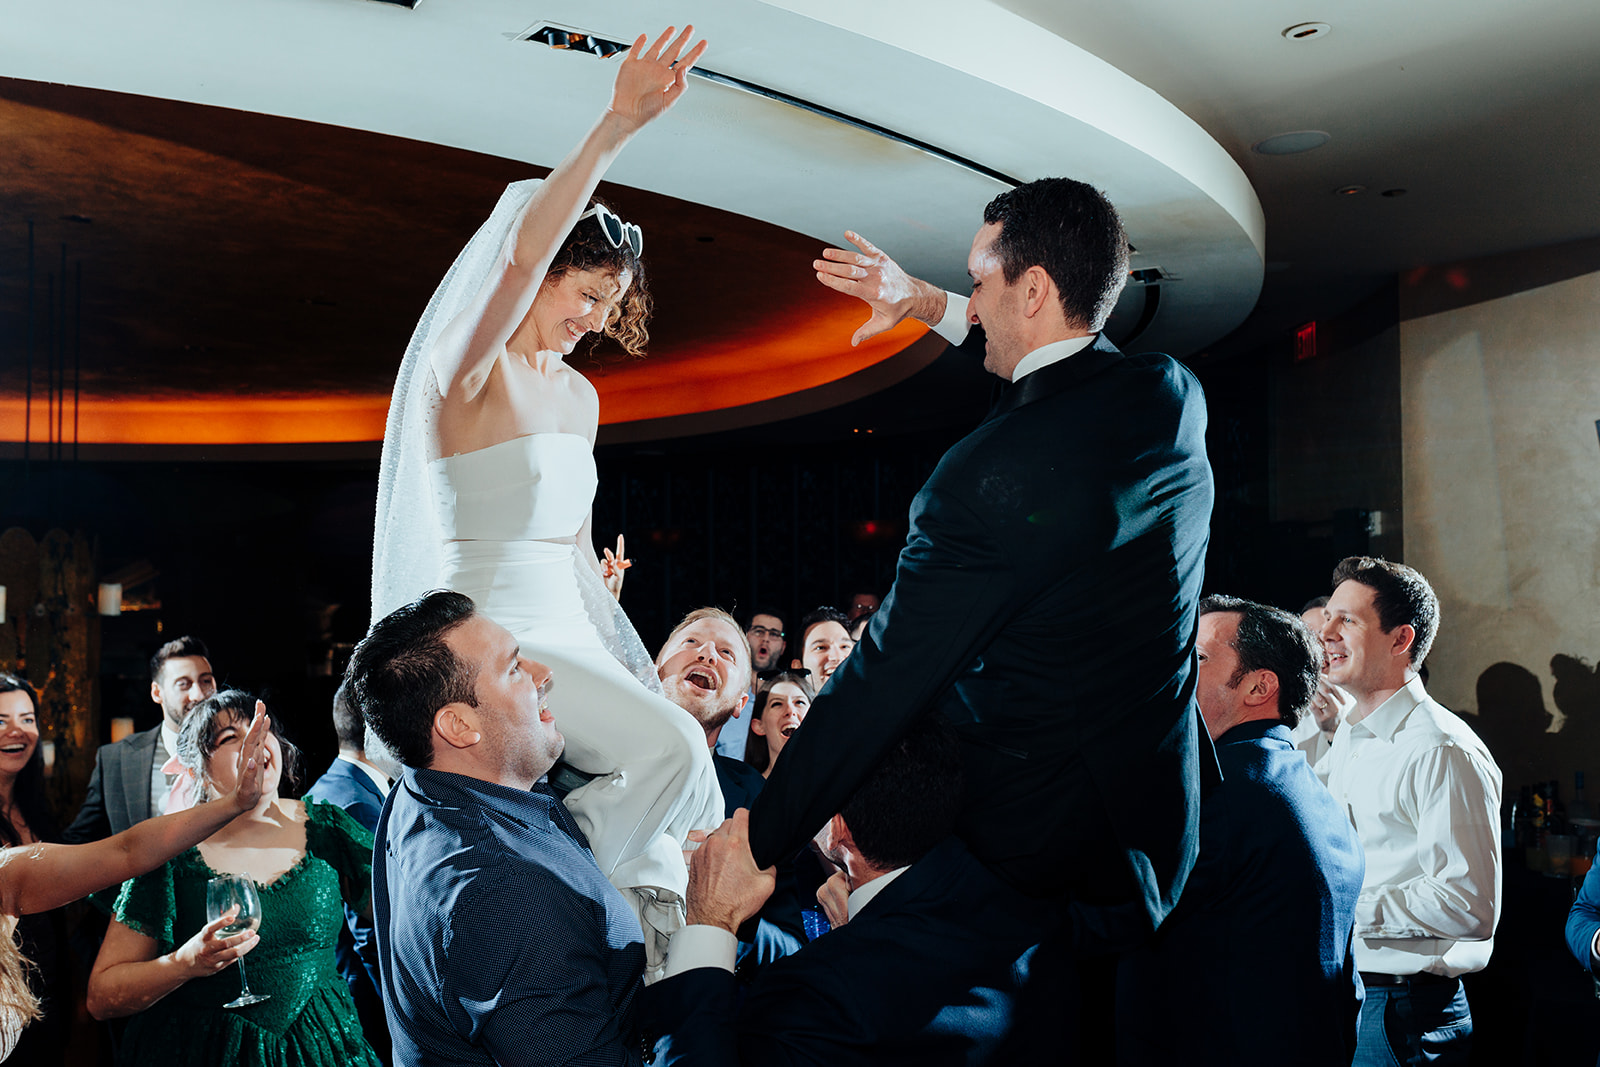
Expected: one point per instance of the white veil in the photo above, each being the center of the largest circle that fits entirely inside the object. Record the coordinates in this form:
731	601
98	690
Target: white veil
407	559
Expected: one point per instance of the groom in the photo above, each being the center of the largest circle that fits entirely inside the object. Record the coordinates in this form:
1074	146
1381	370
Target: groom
1045	601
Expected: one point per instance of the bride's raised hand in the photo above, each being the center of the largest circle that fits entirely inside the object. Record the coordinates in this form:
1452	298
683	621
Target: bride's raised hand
651	79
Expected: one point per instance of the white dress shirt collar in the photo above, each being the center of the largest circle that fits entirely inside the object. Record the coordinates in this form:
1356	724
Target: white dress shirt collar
1383	720
953	328
862	895
1054	352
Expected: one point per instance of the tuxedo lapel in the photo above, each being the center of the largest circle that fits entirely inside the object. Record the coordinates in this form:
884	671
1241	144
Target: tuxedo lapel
1062	374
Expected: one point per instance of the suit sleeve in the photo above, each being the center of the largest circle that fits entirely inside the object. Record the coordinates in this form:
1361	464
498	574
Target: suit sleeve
92	823
791	1018
1583	921
691	1016
952	590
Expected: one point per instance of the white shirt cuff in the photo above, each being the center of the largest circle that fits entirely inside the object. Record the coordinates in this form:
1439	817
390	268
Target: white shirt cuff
1594	951
700	946
954	326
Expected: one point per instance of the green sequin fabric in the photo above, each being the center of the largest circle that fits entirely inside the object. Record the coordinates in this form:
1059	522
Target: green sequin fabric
310	1019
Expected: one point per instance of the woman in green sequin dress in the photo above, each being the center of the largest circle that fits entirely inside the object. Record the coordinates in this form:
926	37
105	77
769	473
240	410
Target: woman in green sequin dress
170	969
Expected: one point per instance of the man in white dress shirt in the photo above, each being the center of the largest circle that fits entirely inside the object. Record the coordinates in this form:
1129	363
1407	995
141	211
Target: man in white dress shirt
1424	795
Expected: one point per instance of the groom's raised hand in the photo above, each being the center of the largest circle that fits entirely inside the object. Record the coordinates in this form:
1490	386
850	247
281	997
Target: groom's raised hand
871	276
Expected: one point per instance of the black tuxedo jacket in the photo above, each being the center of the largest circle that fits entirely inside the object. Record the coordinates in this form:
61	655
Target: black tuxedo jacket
1045	602
119	789
925	975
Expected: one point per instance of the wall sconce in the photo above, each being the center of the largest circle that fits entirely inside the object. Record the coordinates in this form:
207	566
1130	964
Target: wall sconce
2	605
121	727
111	598
48	750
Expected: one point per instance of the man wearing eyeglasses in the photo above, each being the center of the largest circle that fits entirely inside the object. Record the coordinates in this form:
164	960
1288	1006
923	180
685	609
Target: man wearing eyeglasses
765	634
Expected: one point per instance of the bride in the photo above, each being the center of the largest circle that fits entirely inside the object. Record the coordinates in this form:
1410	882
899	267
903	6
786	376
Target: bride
488	478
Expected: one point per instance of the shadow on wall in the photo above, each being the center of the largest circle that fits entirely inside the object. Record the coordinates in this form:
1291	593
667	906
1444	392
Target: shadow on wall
1514	723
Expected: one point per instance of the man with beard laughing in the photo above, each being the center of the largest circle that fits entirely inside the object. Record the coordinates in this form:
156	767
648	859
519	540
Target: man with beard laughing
704	668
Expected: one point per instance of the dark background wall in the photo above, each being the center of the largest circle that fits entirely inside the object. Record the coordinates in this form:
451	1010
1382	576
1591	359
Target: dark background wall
269	560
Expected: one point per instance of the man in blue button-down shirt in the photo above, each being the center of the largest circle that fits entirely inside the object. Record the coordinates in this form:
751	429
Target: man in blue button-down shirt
500	940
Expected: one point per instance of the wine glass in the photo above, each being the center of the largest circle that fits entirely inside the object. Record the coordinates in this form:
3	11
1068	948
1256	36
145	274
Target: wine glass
236	891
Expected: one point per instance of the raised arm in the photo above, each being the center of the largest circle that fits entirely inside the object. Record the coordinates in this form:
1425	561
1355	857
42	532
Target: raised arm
649	81
872	277
37	878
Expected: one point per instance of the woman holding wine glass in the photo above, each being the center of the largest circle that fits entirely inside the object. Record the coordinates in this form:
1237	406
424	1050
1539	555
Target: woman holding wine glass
271	886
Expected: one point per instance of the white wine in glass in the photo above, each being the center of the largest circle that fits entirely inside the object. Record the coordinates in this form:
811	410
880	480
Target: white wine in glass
224	893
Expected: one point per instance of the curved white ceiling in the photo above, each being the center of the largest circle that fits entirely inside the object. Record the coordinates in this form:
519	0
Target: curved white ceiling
963	75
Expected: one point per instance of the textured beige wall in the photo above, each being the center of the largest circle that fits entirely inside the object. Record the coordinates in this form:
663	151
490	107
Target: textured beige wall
1499	405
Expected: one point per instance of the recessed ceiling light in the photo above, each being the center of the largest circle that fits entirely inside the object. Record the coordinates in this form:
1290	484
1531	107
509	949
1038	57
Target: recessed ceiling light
1394	192
1287	144
1307	31
1349	190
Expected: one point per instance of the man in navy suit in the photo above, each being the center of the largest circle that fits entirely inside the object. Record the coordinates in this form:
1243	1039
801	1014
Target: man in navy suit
927	925
358	786
1256	964
1045	599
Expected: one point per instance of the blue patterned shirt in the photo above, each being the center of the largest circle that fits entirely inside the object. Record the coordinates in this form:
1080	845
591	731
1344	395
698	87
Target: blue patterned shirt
500	940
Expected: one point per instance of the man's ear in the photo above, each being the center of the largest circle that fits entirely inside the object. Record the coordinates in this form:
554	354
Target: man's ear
1038	291
155	692
1263	688
839	835
456	724
744	698
795	665
1404	636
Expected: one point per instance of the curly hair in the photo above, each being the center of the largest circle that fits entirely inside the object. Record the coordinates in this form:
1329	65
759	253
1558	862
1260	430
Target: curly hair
587	248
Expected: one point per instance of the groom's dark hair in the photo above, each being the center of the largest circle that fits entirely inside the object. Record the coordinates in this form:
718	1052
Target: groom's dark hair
403	672
1072	231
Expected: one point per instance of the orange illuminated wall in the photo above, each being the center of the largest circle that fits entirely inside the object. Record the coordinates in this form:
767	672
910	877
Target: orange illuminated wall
722	374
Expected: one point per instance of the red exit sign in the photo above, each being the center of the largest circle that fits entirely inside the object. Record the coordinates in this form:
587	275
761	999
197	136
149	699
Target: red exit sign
1305	342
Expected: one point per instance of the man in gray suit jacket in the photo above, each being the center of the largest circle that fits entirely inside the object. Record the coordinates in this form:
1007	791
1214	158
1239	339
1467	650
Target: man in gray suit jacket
128	785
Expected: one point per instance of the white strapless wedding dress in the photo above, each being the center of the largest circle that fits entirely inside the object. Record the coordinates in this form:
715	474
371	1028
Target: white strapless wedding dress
498	507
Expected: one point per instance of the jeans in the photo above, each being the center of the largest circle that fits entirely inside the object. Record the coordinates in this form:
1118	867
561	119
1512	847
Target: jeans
1419	1023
